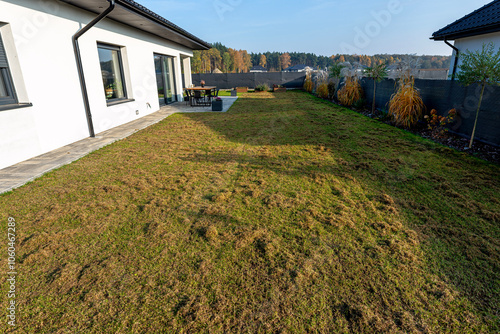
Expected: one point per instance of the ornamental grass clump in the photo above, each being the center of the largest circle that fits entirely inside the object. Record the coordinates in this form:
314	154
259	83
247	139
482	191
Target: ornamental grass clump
406	106
351	92
321	84
308	84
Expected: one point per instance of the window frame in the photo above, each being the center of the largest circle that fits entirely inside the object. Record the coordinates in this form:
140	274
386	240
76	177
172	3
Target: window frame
112	47
6	77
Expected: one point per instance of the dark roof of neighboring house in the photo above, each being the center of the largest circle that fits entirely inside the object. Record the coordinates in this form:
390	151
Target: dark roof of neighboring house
296	67
258	68
133	14
482	21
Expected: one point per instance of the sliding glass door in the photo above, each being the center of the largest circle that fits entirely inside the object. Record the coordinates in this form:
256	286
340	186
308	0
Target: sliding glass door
165	79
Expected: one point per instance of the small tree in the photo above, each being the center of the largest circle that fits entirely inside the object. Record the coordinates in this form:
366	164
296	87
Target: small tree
481	67
336	74
377	72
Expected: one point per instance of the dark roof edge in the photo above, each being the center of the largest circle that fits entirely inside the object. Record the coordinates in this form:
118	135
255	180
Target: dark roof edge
468	33
437	34
141	10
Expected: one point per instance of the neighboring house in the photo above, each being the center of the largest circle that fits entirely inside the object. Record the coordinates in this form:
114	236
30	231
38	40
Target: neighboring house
54	92
471	31
432	73
298	68
258	68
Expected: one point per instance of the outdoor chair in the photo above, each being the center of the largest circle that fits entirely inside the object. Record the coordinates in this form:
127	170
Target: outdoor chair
198	99
211	96
188	98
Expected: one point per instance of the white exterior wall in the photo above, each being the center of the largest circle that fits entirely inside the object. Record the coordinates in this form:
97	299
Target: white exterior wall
37	36
472	44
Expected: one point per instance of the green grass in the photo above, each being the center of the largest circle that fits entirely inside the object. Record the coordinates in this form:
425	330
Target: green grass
286	214
227	92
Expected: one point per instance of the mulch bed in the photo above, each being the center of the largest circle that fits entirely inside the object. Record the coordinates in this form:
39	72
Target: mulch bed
479	149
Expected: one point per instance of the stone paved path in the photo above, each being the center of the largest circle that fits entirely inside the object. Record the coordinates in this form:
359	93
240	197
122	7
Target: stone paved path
16	175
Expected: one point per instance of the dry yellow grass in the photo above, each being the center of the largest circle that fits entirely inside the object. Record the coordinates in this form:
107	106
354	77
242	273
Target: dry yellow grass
350	93
287	214
406	106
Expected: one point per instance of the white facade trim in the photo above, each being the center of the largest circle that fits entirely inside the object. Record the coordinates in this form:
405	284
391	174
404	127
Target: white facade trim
472	44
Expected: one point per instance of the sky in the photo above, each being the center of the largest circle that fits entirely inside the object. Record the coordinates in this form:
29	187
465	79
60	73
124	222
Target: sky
323	27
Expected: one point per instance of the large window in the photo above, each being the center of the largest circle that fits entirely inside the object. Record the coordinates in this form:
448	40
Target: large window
7	92
112	72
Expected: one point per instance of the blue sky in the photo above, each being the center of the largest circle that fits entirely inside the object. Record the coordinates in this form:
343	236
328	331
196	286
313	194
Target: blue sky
324	27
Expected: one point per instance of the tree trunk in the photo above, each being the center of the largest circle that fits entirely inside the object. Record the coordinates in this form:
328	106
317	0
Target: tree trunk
374	90
477	115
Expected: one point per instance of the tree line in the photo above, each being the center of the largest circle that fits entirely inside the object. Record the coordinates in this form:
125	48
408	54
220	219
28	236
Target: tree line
228	60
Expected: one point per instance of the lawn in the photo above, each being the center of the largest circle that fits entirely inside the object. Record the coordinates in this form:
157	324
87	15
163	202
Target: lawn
286	214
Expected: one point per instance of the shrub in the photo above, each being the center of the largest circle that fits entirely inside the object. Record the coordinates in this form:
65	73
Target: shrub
437	124
406	105
351	92
322	90
262	88
308	84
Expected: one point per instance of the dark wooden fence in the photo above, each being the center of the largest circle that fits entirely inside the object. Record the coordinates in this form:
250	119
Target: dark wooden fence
251	80
441	95
444	95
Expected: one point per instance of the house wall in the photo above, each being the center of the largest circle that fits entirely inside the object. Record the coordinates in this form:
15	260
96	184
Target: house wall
38	36
472	44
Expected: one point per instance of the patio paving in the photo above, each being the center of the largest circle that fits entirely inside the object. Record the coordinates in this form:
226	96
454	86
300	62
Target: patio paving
16	175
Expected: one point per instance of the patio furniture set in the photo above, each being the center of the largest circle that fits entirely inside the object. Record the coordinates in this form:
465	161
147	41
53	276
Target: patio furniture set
205	96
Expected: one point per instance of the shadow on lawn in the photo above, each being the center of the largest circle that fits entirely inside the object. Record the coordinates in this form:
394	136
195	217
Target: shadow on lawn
451	200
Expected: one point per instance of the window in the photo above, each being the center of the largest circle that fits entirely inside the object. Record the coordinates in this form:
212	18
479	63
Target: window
112	72
7	92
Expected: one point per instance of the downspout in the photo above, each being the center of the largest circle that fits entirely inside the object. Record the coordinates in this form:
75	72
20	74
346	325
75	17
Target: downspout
457	52
78	57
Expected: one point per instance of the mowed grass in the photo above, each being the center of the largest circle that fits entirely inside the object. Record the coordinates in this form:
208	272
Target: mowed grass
286	214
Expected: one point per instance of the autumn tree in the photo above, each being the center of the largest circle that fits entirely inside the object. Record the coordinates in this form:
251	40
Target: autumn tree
196	61
227	62
263	61
285	60
215	59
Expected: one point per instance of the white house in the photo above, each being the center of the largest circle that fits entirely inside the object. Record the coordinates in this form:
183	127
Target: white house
471	32
298	68
72	69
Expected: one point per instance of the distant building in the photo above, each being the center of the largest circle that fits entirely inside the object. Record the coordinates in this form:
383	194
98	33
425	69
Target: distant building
299	68
258	69
432	73
471	32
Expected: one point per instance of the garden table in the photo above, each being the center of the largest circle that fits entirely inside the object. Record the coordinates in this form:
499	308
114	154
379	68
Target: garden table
202	95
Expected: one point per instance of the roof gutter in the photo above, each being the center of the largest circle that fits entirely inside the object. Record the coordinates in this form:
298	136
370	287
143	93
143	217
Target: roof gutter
78	57
457	52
